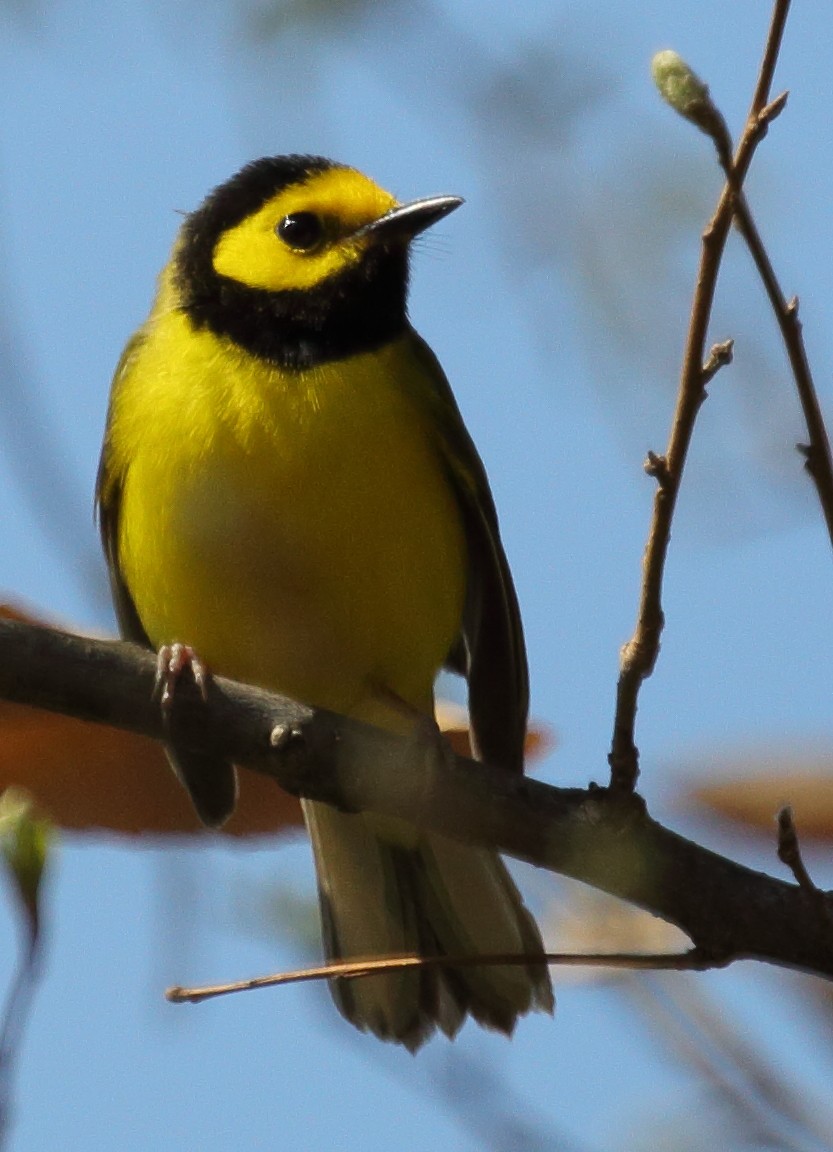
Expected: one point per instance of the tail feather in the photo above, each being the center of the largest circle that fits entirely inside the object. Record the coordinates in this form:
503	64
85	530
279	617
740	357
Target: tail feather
368	911
475	907
428	895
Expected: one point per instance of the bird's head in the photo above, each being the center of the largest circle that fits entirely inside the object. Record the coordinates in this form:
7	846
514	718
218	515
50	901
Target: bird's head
299	242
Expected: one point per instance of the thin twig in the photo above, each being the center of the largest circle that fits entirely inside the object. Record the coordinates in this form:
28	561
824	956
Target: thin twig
691	961
639	655
818	459
773	46
14	1019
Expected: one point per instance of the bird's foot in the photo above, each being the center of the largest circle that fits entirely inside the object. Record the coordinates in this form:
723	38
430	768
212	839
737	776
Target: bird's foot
172	661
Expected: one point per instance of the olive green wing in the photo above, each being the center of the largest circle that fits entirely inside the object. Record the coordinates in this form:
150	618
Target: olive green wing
108	490
211	781
491	651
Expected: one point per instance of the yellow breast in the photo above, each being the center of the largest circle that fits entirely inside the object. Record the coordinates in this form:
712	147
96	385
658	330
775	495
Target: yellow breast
297	529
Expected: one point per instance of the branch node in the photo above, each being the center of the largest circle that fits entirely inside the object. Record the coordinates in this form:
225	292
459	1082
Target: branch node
789	853
656	466
772	110
639	655
719	356
810	459
284	735
624	770
759	121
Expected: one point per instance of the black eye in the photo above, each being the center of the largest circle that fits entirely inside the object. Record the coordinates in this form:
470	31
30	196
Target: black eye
302	230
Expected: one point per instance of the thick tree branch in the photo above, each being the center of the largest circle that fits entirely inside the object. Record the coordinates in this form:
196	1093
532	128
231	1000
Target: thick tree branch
729	911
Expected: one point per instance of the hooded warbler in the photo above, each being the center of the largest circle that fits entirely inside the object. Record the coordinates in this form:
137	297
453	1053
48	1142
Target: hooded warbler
287	486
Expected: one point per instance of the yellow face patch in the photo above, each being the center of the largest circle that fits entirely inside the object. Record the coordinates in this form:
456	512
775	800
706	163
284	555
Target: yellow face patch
342	199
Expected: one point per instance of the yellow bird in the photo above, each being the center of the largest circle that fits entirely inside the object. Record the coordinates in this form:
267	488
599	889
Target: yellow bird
287	487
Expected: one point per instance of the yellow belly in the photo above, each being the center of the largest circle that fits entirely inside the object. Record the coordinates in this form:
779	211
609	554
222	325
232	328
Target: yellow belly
298	531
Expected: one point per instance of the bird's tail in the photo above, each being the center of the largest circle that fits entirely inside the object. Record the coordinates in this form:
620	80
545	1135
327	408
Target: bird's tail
384	895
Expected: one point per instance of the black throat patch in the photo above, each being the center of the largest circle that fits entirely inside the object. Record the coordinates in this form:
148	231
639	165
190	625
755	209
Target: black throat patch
355	311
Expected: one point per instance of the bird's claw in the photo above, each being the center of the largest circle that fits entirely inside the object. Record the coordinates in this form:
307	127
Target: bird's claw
172	660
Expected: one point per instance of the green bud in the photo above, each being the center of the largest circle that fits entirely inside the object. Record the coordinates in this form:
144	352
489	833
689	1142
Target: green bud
25	838
678	85
683	89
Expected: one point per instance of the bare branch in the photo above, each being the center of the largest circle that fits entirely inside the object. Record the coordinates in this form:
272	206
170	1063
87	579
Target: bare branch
639	655
818	459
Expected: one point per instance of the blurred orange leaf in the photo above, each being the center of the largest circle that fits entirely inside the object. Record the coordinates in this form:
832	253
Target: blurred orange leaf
88	777
752	791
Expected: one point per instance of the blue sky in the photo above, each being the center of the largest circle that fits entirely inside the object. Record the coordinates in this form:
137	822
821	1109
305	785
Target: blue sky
557	301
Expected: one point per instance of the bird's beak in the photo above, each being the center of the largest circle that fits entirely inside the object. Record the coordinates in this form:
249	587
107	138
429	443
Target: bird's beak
408	220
